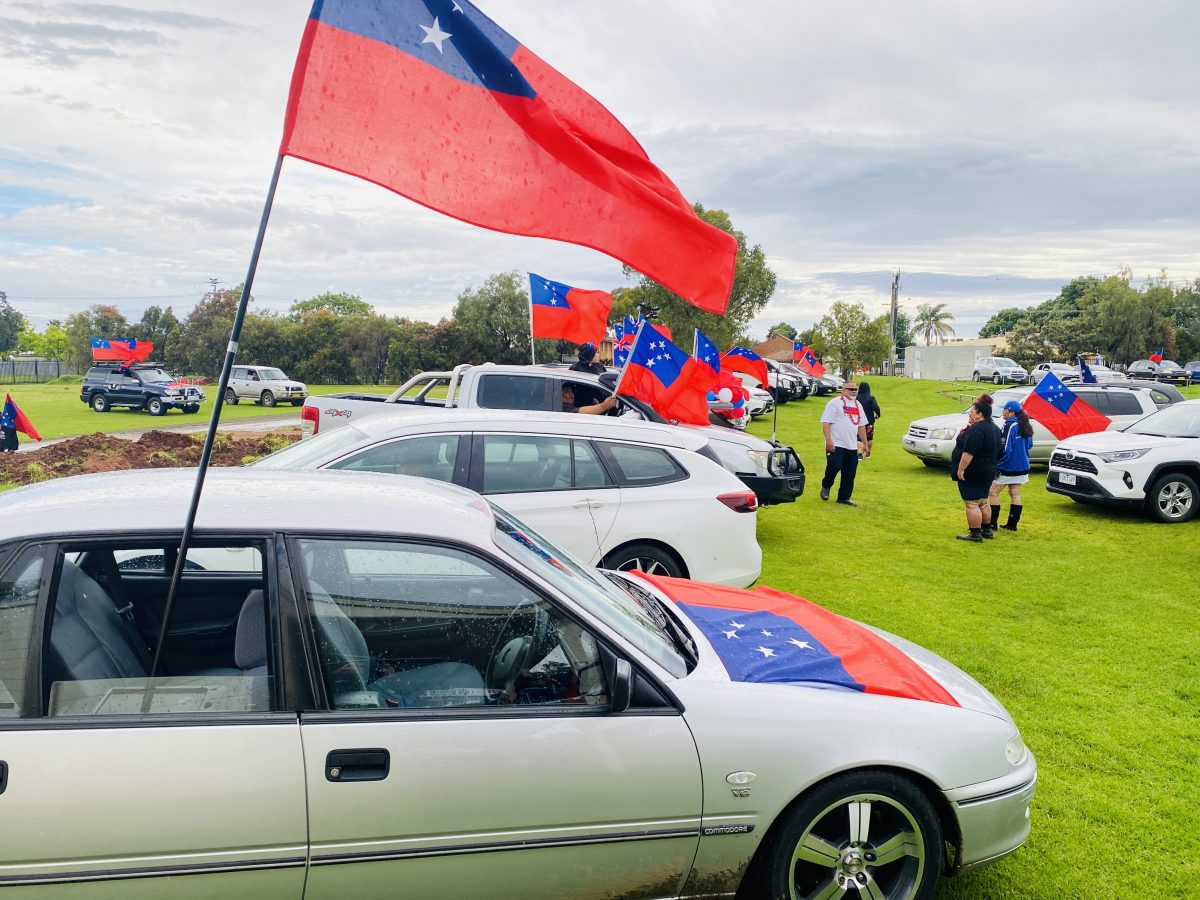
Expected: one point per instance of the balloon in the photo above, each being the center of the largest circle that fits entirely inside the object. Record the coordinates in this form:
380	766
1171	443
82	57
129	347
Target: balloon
725	395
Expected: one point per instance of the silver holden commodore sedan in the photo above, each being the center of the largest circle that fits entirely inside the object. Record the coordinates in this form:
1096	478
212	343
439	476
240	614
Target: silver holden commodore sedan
395	689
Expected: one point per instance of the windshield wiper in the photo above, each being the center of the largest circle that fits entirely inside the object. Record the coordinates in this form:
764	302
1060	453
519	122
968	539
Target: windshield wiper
661	615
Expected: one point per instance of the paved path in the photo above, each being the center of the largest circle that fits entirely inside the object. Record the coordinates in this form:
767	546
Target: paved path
194	426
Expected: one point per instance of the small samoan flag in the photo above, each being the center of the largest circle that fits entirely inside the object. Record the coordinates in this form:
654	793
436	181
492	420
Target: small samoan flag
675	385
567	313
1058	408
810	364
739	359
1157	355
798	349
707	354
1086	376
12	418
768	636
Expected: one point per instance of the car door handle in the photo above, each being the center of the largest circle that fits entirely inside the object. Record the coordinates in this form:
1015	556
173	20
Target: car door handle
3	775
357	765
588	504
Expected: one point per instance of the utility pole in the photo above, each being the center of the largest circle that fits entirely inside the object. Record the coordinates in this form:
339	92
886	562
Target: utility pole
892	323
214	282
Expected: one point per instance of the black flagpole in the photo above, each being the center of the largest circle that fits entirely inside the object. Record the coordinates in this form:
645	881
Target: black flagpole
206	453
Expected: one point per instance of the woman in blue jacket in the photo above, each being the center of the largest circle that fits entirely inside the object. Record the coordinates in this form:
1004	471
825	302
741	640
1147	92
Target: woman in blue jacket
1012	469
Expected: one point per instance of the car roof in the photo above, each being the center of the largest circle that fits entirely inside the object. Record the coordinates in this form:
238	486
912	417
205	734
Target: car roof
529	422
113	503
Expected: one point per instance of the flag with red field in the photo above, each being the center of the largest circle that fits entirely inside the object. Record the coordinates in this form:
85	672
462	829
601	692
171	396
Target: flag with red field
122	350
767	636
567	313
664	376
11	418
739	359
1157	355
707	354
1058	408
433	100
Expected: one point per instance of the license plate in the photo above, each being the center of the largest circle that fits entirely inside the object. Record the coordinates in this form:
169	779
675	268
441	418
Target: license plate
1064	478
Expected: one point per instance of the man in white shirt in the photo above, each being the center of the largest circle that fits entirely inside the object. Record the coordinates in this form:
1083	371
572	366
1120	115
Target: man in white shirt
845	424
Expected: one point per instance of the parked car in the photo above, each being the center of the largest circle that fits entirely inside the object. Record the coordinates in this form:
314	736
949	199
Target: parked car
1104	373
761	402
1065	373
999	370
1193	370
265	385
1152	465
1167	370
932	439
415	689
784	385
147	387
803	378
614	493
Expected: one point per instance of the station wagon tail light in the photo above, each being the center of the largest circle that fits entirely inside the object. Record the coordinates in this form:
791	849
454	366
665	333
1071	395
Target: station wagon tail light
742	501
310	414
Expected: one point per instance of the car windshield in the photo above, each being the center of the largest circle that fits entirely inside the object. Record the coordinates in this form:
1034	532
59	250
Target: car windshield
1001	361
272	375
638	619
1179	420
999	398
1170	364
312	451
154	376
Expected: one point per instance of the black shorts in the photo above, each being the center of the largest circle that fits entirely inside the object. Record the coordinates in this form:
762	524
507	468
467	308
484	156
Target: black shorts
968	490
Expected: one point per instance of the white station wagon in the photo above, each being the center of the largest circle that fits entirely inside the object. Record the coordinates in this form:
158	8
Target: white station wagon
415	695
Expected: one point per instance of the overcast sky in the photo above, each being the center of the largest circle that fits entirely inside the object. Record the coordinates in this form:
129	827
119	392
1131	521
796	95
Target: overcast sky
989	152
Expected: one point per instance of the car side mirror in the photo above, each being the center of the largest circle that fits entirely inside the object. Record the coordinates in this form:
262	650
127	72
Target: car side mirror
619	675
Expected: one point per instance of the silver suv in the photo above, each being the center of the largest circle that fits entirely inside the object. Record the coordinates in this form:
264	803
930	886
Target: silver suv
932	439
264	384
998	370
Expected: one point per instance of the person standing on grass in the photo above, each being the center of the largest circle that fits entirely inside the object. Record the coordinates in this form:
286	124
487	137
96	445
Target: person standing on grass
845	424
1016	440
871	407
973	466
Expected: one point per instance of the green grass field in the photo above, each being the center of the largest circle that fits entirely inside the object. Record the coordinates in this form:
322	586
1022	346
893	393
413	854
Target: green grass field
1084	623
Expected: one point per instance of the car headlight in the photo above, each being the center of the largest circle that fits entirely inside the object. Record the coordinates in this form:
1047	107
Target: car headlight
760	459
1015	750
174	393
943	434
1123	455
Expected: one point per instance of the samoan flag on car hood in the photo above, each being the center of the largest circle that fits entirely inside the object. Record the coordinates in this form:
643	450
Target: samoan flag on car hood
768	636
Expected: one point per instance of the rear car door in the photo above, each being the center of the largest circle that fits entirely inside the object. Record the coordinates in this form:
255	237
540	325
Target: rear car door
237	381
114	784
468	749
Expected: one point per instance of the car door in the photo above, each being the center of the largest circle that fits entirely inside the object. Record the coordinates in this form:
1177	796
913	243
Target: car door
469	750
113	784
531	476
237	381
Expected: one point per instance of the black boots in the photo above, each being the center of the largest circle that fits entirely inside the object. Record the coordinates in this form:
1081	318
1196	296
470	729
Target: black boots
975	536
995	517
1014	516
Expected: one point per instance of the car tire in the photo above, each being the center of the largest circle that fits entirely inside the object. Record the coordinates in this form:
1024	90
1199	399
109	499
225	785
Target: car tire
191	408
1173	498
648	558
996	379
933	463
975	376
231	398
156	407
100	403
267	399
813	850
297	403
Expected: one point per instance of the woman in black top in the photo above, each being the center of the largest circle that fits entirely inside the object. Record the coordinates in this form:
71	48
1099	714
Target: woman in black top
973	466
871	407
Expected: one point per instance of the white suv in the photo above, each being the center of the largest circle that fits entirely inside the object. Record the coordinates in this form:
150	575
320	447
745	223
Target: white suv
264	384
998	370
1154	465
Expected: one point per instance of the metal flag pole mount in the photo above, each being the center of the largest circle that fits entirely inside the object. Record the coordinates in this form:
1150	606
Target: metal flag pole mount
210	437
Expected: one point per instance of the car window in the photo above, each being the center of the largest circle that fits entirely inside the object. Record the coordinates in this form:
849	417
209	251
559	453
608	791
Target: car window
642	466
107	615
500	391
237	372
1003	361
514	463
1177	420
1097	400
1121	403
19	587
1160	399
589	472
405	625
272	375
428	456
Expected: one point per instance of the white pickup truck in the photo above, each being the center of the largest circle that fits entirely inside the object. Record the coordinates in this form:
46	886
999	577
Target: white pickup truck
773	471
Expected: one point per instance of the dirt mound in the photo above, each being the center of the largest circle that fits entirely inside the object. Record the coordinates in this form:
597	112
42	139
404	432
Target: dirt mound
153	450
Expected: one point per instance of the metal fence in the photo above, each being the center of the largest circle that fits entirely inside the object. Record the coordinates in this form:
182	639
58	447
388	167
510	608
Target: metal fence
33	371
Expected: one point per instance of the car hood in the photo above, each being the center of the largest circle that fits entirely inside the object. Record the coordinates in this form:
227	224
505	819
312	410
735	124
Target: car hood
1108	441
949	420
286	384
771	637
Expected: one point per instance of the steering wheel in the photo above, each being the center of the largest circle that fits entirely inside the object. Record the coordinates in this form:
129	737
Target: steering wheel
507	661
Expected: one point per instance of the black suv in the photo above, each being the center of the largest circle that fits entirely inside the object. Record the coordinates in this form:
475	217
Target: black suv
145	387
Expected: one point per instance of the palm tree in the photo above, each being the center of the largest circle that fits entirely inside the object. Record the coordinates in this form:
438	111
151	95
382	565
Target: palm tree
933	322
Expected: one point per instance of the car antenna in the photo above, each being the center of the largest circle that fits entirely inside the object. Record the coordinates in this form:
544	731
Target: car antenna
209	438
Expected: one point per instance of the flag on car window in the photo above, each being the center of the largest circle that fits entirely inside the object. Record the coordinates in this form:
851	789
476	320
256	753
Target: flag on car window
1058	408
706	353
12	418
124	350
1086	376
664	376
1157	355
568	313
764	635
739	359
434	101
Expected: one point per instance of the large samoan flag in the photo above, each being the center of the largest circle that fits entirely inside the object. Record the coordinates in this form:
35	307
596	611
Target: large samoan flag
12	417
706	353
433	100
1062	412
807	360
664	376
1157	355
1086	376
123	350
764	635
567	313
739	359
